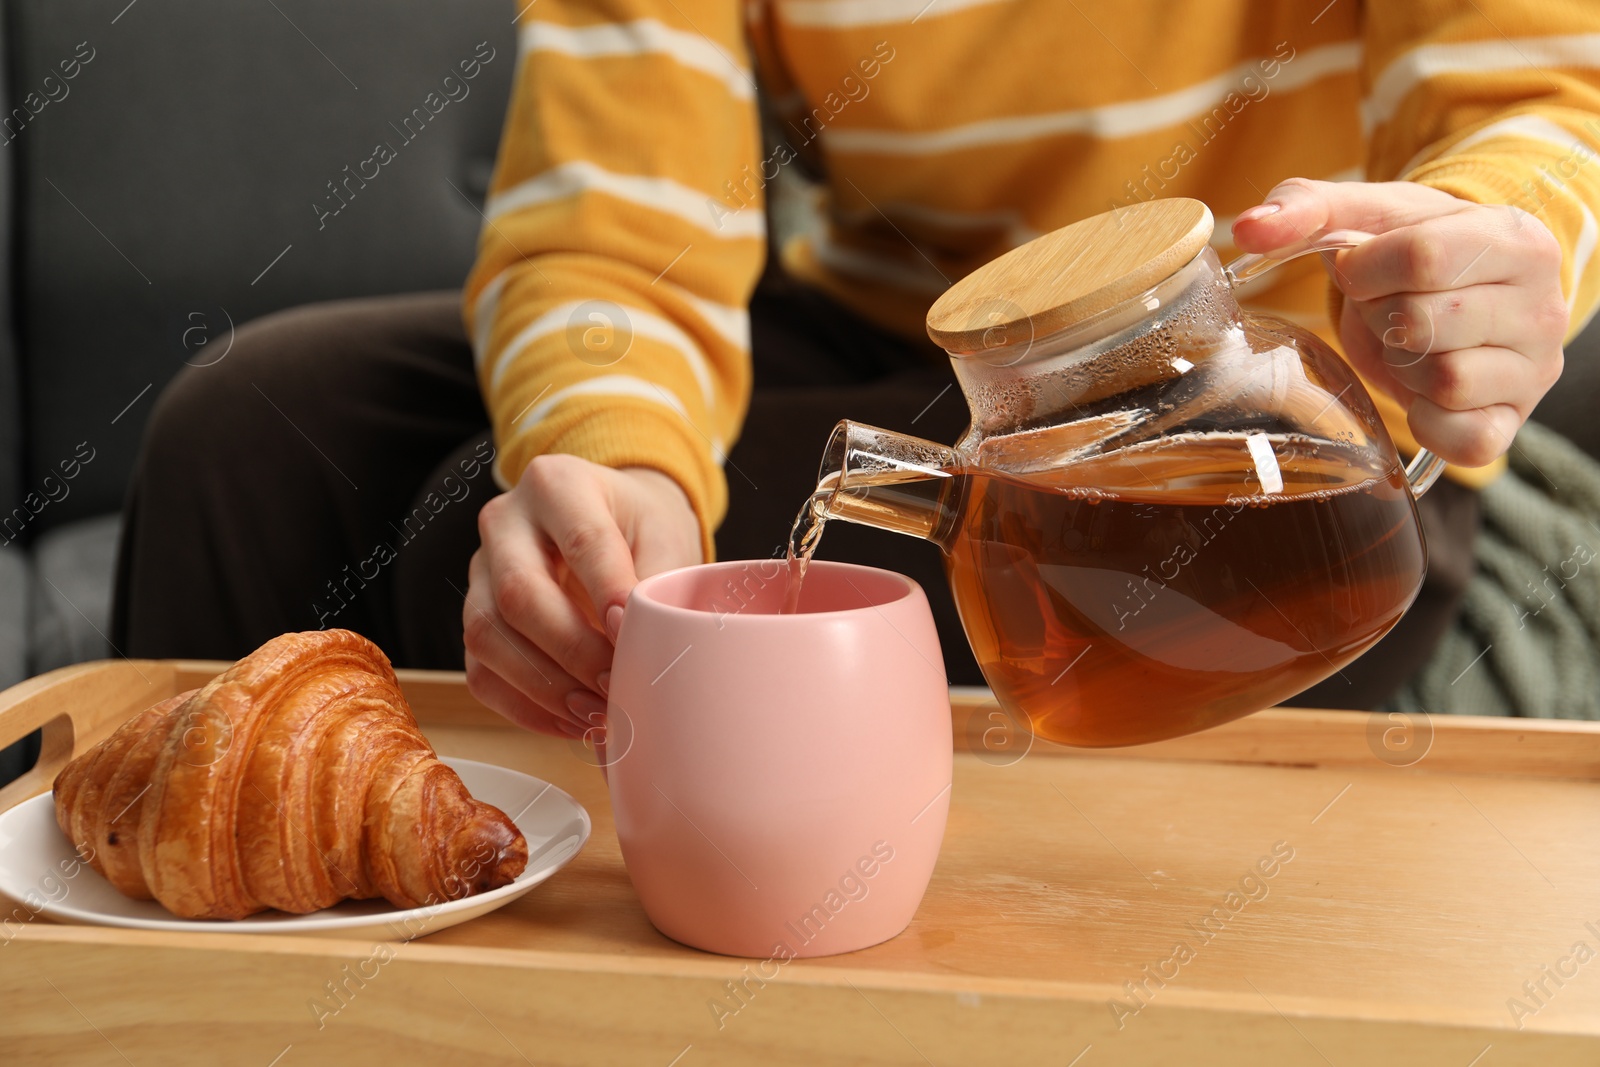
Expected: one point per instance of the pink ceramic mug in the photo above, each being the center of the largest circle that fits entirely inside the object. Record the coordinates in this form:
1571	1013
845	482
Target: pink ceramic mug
780	782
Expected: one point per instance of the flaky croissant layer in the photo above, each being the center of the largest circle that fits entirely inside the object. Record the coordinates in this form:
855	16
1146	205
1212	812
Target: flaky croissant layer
295	779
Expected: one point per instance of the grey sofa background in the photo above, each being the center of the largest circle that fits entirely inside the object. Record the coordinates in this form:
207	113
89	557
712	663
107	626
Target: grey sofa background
168	189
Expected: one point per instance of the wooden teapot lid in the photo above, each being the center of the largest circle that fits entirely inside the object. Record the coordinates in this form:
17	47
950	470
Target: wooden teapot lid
1069	274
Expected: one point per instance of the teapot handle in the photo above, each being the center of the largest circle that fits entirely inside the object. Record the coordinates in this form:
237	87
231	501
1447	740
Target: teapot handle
1425	467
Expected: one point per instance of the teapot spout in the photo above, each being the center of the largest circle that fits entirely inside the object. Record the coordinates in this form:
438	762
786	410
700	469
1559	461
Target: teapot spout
880	478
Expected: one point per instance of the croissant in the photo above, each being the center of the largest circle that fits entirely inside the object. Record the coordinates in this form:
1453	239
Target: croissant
295	779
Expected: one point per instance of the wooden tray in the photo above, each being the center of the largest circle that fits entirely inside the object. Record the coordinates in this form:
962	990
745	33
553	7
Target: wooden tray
1417	901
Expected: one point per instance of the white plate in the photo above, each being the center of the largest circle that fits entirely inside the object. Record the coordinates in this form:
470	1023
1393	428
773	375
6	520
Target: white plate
35	859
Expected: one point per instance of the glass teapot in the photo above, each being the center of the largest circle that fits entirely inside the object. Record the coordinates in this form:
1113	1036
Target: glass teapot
1166	513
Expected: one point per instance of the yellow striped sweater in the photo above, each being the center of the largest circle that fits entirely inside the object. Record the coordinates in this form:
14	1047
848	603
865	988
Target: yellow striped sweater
633	168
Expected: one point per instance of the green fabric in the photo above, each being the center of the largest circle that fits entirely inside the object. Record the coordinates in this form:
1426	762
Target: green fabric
1527	639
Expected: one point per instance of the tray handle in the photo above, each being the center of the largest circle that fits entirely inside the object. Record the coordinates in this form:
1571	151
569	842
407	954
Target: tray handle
76	706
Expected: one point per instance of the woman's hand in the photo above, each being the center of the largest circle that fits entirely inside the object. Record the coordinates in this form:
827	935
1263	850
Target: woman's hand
1453	308
560	553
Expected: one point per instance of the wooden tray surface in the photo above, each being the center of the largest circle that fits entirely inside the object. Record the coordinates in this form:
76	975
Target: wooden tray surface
1407	907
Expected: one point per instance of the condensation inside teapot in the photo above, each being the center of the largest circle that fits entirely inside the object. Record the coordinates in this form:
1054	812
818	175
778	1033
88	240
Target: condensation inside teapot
1150	375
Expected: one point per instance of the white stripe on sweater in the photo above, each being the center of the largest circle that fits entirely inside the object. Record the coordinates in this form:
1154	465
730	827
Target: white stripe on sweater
615	385
1533	127
664	195
836	13
637	38
732	324
605	385
1413	68
1125	119
640	323
484	313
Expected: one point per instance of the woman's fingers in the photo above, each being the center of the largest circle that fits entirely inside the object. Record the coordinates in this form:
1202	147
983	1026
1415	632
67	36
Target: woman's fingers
659	523
1453	308
1468	438
527	595
1456	401
1418	323
1468	378
557	557
1422	323
1367	354
1473	246
497	693
578	516
509	657
1301	208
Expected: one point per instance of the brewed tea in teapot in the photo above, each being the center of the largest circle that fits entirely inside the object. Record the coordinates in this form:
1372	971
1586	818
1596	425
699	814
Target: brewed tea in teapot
1166	513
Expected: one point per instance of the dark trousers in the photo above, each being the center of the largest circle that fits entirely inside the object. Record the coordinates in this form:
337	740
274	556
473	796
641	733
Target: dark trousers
327	472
